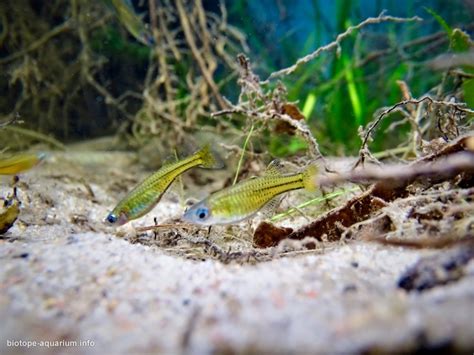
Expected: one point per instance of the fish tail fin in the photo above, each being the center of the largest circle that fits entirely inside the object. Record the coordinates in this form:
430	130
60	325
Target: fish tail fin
210	159
309	178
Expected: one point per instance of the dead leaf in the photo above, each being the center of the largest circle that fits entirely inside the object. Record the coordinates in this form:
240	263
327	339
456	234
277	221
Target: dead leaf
267	235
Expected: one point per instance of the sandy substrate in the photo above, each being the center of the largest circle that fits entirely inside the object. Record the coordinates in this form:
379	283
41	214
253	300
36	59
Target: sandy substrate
65	278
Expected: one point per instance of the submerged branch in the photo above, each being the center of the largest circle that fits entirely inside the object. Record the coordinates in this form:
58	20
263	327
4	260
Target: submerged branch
450	166
197	55
65	26
36	135
9	121
367	135
337	42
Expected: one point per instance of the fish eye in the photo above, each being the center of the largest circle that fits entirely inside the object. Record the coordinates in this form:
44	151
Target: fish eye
202	213
111	218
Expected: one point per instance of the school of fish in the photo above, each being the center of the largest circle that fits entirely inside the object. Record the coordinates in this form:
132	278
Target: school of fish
229	205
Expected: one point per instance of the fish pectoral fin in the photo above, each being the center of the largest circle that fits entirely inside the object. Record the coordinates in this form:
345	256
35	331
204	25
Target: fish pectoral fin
269	209
175	191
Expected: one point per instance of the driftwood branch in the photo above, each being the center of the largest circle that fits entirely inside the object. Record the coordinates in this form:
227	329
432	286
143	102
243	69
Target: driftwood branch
197	55
9	121
401	174
65	26
336	44
390	183
367	134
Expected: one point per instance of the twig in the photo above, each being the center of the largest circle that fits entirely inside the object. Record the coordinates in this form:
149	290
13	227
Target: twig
9	121
197	55
165	226
450	166
368	133
231	111
447	163
109	99
420	243
167	35
266	107
311	202
36	135
413	116
65	26
154	26
461	74
152	103
205	35
390	152
239	165
336	43
305	132
438	38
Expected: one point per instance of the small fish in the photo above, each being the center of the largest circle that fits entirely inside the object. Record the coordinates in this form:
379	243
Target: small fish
131	21
9	211
149	192
20	163
243	200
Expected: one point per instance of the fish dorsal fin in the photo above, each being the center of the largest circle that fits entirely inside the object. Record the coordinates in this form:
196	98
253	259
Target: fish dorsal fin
210	158
274	168
169	159
177	154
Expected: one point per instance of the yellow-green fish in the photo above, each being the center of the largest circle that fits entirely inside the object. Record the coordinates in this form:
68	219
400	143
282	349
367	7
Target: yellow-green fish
19	163
243	200
9	211
131	21
149	192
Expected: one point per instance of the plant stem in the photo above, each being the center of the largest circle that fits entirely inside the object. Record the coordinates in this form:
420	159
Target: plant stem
310	202
239	165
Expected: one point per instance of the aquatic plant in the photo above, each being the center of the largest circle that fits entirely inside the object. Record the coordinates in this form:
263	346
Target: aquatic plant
72	69
180	89
47	66
337	93
56	59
